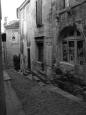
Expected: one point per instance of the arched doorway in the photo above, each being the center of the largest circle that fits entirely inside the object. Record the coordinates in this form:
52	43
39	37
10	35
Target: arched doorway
72	45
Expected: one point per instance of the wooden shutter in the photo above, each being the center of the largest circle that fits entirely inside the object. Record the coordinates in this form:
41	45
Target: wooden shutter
39	13
4	37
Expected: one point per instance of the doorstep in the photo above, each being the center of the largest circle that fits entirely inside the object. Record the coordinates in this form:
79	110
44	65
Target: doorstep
63	93
55	89
52	88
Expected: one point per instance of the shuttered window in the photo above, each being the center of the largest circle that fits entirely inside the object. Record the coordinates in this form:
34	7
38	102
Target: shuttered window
66	3
39	13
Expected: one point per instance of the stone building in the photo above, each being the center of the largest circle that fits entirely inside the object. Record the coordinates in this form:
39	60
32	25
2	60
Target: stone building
38	32
12	41
72	36
52	32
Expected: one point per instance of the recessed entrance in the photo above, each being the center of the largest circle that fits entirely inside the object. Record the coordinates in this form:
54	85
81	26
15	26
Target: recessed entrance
29	61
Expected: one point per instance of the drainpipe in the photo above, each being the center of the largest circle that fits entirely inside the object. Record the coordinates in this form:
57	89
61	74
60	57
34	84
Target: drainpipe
2	92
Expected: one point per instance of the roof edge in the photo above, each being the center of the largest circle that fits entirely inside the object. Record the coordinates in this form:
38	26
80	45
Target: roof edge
23	4
12	25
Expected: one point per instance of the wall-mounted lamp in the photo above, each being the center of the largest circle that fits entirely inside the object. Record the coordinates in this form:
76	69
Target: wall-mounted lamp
57	17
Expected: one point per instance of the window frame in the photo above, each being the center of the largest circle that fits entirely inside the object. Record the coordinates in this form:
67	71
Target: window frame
75	49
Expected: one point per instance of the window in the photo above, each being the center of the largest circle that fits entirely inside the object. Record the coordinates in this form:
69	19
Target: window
65	51
73	51
66	3
80	51
13	37
39	13
4	37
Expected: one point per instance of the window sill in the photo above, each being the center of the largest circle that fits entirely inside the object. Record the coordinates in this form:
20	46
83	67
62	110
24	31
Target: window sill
39	26
67	63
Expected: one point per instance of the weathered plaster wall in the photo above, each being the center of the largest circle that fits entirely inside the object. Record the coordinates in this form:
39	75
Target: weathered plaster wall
48	30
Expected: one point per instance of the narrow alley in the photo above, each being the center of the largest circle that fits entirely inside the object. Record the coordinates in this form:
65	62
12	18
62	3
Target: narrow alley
43	57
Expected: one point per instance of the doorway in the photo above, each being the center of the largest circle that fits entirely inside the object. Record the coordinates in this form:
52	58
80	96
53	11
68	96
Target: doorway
29	61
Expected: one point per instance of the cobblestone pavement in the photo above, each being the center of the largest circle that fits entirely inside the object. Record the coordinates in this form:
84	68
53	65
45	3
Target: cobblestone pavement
36	100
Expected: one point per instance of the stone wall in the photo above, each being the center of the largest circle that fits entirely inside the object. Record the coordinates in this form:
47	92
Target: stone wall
69	17
49	29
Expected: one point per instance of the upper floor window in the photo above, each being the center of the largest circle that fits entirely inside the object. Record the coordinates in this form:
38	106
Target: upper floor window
13	37
39	13
66	3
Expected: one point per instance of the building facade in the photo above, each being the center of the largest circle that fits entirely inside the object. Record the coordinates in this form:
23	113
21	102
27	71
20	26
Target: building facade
52	32
12	41
72	36
38	32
